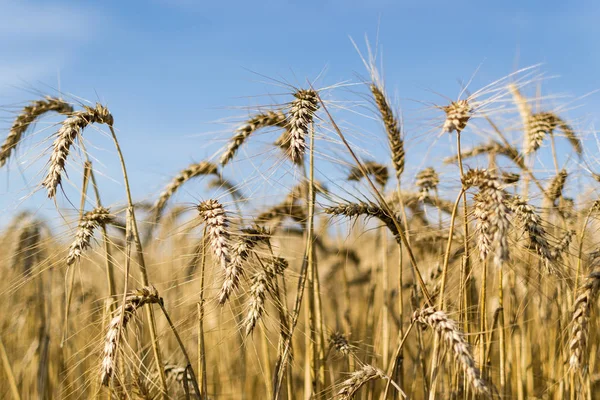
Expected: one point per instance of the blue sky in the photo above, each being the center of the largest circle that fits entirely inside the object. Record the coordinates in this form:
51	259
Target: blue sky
172	71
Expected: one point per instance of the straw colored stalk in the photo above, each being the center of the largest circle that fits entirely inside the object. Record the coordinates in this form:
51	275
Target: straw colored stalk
65	137
28	116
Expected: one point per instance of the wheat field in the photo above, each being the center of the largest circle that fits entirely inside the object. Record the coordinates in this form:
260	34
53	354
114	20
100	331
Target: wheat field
471	277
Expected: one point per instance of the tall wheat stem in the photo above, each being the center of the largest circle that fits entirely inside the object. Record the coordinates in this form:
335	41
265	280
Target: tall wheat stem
382	202
143	270
200	305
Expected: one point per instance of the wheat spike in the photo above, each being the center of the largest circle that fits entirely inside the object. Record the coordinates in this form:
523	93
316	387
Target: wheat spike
458	114
254	123
427	180
454	338
492	215
357	380
65	137
191	171
392	128
217	225
30	113
85	231
368	210
300	117
118	324
379	172
240	252
580	320
556	186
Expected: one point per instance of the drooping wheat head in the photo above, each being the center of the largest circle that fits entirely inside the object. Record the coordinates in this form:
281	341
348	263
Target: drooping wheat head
85	231
378	171
118	324
194	170
254	123
65	137
358	379
451	335
584	303
28	116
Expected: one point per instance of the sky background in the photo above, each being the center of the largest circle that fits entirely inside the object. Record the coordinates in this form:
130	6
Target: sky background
177	73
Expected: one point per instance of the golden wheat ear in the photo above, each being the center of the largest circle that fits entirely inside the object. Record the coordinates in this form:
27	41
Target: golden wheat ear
65	137
28	116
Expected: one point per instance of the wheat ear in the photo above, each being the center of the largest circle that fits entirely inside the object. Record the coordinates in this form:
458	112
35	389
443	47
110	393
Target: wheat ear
580	320
217	223
300	117
66	135
254	123
27	117
191	171
392	128
85	231
118	324
379	172
454	338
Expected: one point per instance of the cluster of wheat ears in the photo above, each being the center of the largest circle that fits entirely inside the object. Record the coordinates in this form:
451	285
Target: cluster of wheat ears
483	290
